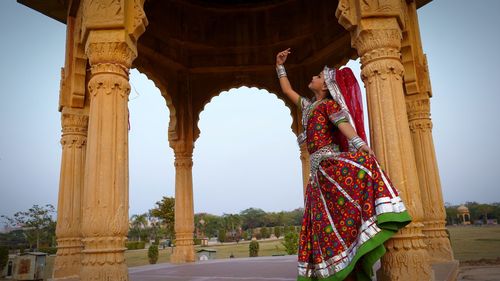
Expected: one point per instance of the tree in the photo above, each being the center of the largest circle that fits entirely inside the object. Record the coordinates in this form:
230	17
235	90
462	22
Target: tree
291	242
232	222
253	218
451	213
253	249
165	211
153	254
264	232
222	235
277	231
4	257
484	210
37	224
138	224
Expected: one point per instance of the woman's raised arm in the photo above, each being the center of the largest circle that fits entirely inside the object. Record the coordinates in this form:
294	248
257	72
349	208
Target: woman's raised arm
284	83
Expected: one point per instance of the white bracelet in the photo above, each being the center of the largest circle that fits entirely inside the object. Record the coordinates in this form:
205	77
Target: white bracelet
357	142
280	70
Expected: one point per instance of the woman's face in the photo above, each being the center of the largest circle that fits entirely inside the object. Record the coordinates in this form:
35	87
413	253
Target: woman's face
317	83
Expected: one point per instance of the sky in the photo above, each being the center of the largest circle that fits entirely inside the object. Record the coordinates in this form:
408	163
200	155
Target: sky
246	155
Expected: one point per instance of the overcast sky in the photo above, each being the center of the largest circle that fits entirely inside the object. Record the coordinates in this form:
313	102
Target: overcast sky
246	155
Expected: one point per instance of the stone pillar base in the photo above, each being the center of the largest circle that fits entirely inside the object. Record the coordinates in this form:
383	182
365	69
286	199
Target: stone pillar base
183	254
438	242
99	271
68	278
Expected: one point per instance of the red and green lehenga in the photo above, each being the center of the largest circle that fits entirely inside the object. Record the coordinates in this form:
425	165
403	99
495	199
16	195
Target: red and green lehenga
351	207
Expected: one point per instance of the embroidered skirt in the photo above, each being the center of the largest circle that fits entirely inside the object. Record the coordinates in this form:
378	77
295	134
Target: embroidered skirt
351	209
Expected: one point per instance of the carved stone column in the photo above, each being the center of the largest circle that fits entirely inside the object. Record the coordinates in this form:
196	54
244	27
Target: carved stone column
438	244
382	73
69	238
184	210
376	33
418	92
105	200
306	165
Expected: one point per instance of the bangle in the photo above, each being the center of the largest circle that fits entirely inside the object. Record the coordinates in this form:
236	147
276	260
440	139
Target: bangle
280	70
357	142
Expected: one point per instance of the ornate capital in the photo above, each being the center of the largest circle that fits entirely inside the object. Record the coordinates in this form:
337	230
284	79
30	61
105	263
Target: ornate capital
74	123
380	52
382	69
418	109
386	42
109	84
183	159
420	125
74	130
114	57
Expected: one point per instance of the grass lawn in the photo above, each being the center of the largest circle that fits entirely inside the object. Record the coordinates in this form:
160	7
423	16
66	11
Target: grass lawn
475	242
240	250
469	243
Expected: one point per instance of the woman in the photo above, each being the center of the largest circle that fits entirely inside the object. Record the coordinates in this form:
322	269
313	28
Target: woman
351	207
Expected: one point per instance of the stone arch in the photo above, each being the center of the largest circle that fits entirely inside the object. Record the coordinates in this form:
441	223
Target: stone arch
143	66
217	91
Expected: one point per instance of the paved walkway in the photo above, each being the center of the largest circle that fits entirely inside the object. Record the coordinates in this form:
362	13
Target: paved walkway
479	273
261	269
248	269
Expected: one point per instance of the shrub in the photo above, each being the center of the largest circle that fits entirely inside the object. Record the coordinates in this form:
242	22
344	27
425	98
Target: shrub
244	235
258	235
4	257
264	232
197	241
134	245
291	242
48	250
222	235
153	254
253	249
277	231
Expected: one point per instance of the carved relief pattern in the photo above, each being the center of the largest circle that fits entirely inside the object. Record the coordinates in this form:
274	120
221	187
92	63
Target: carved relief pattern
105	201
379	6
306	165
434	229
115	272
102	11
346	14
381	55
404	249
69	244
119	53
379	45
418	109
109	84
139	20
78	63
372	39
184	212
183	160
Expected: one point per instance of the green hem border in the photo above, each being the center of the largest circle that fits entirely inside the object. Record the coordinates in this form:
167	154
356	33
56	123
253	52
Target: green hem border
372	250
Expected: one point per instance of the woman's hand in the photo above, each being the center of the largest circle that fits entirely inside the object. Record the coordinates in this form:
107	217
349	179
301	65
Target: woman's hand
366	149
281	56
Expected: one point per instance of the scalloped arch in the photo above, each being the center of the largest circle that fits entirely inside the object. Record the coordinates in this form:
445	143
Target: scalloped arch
161	85
216	92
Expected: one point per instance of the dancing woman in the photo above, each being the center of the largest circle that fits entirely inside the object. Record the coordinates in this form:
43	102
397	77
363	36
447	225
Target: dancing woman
351	207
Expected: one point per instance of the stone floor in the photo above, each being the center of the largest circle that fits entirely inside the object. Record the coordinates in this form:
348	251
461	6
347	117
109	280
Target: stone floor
479	273
248	269
262	269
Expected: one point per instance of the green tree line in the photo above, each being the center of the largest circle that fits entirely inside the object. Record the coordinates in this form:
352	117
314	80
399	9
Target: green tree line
479	212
